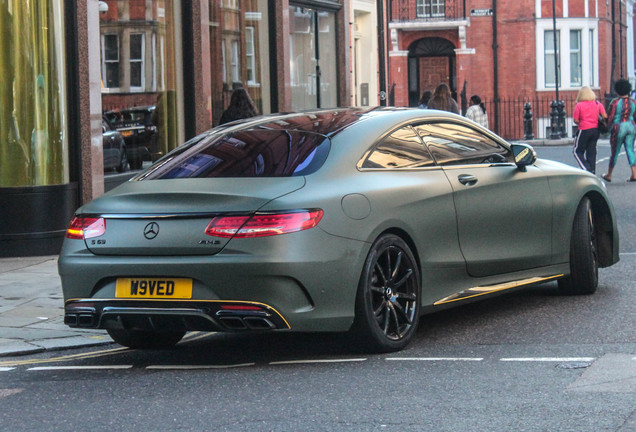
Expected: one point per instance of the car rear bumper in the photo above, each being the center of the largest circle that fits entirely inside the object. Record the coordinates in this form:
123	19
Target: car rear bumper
297	290
173	315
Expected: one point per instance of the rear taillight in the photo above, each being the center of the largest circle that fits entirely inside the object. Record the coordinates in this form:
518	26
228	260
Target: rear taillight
85	228
261	225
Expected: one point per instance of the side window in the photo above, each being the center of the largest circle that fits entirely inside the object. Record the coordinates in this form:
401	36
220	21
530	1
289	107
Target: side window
402	149
454	144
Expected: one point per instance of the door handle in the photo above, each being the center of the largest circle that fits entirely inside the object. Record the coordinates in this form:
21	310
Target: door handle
467	179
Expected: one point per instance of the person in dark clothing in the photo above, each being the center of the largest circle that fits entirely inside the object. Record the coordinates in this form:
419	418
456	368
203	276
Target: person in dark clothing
241	107
442	99
426	96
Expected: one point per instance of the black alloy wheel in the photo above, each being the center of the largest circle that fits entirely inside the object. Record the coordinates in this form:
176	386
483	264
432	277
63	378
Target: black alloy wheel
387	303
583	278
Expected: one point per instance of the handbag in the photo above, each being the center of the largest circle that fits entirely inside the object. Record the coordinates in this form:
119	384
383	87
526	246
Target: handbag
602	124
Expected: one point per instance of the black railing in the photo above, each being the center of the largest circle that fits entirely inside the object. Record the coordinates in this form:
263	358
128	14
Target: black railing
511	116
427	10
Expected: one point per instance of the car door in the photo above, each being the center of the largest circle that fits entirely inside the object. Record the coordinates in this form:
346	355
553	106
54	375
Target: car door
416	191
504	214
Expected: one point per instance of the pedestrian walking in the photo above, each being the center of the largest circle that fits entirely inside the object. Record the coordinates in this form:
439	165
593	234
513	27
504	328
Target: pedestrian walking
241	107
477	111
586	114
442	99
622	128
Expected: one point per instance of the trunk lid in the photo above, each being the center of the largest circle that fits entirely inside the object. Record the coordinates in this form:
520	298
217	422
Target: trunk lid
169	217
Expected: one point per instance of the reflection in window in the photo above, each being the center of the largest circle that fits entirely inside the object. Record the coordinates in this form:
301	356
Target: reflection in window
137	60
239	53
110	60
249	153
402	149
453	144
140	70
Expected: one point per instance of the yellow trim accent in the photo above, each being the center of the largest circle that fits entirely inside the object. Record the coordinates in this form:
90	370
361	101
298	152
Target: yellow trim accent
489	289
89	299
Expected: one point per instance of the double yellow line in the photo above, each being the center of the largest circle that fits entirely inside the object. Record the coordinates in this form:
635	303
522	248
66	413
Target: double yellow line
93	354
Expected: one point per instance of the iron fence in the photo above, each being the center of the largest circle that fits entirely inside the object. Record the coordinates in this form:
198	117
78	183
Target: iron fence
510	124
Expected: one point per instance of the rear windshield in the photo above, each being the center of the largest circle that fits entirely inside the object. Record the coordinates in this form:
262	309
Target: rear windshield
248	153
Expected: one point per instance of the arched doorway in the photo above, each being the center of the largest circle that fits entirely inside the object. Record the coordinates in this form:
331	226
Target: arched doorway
431	61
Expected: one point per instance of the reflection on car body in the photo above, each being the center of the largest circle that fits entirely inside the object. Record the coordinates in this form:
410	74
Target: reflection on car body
338	220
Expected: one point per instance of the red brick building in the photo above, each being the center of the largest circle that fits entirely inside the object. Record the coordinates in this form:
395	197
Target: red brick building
504	52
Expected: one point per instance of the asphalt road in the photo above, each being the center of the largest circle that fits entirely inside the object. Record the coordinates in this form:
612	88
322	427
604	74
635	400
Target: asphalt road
527	361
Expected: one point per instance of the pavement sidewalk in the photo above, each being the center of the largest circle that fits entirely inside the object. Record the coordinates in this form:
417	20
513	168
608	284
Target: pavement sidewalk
32	309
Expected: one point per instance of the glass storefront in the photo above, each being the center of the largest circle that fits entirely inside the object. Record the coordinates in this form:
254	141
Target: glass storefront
239	53
140	68
312	69
33	106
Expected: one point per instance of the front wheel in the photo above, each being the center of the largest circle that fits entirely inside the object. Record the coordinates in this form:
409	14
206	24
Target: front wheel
583	278
387	301
146	339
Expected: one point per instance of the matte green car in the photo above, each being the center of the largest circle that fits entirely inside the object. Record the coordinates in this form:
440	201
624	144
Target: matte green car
341	220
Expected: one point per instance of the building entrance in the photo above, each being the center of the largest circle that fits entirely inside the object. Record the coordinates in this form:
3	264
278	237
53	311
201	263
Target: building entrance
431	62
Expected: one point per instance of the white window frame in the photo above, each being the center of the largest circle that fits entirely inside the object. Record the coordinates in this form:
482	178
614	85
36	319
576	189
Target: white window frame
236	70
139	60
430	8
250	56
588	51
106	89
579	53
223	60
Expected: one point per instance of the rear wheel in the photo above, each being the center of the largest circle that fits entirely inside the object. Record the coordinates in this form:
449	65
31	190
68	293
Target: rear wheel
146	339
387	302
583	278
123	161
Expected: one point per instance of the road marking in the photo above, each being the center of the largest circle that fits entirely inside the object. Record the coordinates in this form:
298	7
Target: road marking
197	367
290	362
436	358
598	161
6	369
627	253
93	354
53	368
548	359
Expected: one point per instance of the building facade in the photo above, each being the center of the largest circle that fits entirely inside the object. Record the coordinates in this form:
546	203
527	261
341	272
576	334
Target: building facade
523	51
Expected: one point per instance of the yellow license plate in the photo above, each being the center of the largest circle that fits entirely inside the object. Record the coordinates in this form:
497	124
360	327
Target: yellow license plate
155	288
126	133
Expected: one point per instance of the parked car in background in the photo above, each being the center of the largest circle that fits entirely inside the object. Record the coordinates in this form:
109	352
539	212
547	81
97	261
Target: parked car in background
337	220
138	126
115	156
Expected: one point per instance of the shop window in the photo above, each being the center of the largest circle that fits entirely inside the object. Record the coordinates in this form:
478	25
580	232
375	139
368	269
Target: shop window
33	117
239	53
140	71
313	74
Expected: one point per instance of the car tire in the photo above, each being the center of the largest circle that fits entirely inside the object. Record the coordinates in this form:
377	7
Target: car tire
387	308
583	278
145	339
123	161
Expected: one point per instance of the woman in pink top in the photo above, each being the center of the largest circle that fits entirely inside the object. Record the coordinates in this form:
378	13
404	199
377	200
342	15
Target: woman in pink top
585	116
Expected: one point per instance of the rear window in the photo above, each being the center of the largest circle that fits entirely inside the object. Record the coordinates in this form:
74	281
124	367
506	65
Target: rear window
247	153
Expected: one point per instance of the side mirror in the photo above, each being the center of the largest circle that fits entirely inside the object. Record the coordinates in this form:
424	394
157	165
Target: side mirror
524	155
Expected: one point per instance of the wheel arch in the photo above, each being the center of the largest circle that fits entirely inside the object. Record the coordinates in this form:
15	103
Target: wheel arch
409	241
604	227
